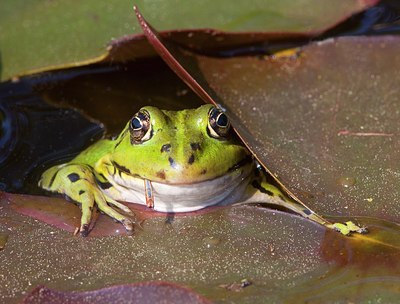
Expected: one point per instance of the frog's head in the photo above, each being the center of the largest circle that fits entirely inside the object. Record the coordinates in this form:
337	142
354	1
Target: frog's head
179	147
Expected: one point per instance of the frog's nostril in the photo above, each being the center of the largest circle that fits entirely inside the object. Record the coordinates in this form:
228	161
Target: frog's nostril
166	148
195	146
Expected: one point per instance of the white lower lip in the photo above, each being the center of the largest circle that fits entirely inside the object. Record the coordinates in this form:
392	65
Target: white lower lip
222	190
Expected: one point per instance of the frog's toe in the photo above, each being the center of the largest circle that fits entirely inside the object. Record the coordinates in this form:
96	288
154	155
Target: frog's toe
87	204
119	205
348	228
128	224
363	230
104	207
84	230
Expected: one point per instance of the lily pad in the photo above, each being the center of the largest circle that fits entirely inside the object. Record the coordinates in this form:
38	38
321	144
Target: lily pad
323	119
60	213
3	240
326	123
141	293
42	34
284	257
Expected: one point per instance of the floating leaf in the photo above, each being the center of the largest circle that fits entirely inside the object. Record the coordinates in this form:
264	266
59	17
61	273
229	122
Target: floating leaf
58	212
42	34
285	257
324	120
325	123
147	292
3	240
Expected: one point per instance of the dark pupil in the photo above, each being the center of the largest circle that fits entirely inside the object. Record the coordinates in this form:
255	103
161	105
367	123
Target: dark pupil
222	120
136	123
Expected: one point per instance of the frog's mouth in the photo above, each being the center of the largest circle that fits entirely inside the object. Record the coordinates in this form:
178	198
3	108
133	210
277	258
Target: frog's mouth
163	197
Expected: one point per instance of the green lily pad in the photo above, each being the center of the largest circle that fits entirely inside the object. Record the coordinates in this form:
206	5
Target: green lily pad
41	34
261	15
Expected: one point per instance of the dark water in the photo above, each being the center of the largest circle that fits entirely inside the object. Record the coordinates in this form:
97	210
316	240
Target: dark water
382	19
34	132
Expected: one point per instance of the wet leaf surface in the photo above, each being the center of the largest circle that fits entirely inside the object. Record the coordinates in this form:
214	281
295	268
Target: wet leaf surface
323	119
284	256
140	293
326	124
3	240
62	214
47	33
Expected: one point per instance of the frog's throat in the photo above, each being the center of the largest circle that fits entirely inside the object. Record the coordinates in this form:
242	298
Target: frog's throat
224	190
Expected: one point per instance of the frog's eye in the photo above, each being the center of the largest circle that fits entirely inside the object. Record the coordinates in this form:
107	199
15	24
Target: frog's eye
218	123
140	127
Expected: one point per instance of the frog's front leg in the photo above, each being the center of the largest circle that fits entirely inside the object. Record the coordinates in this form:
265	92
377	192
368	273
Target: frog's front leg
264	192
78	182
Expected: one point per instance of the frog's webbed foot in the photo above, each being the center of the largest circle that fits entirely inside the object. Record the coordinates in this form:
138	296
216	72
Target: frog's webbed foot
348	228
78	183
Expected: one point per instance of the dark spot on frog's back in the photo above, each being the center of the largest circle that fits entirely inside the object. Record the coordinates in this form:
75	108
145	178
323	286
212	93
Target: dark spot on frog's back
171	162
73	177
261	188
204	171
166	148
195	146
121	168
104	185
191	159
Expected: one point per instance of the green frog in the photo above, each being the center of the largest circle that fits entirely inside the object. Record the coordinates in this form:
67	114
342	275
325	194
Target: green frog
170	161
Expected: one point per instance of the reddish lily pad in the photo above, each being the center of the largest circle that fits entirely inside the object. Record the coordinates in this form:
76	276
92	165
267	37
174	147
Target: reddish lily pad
324	120
141	293
325	123
60	213
285	257
3	240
